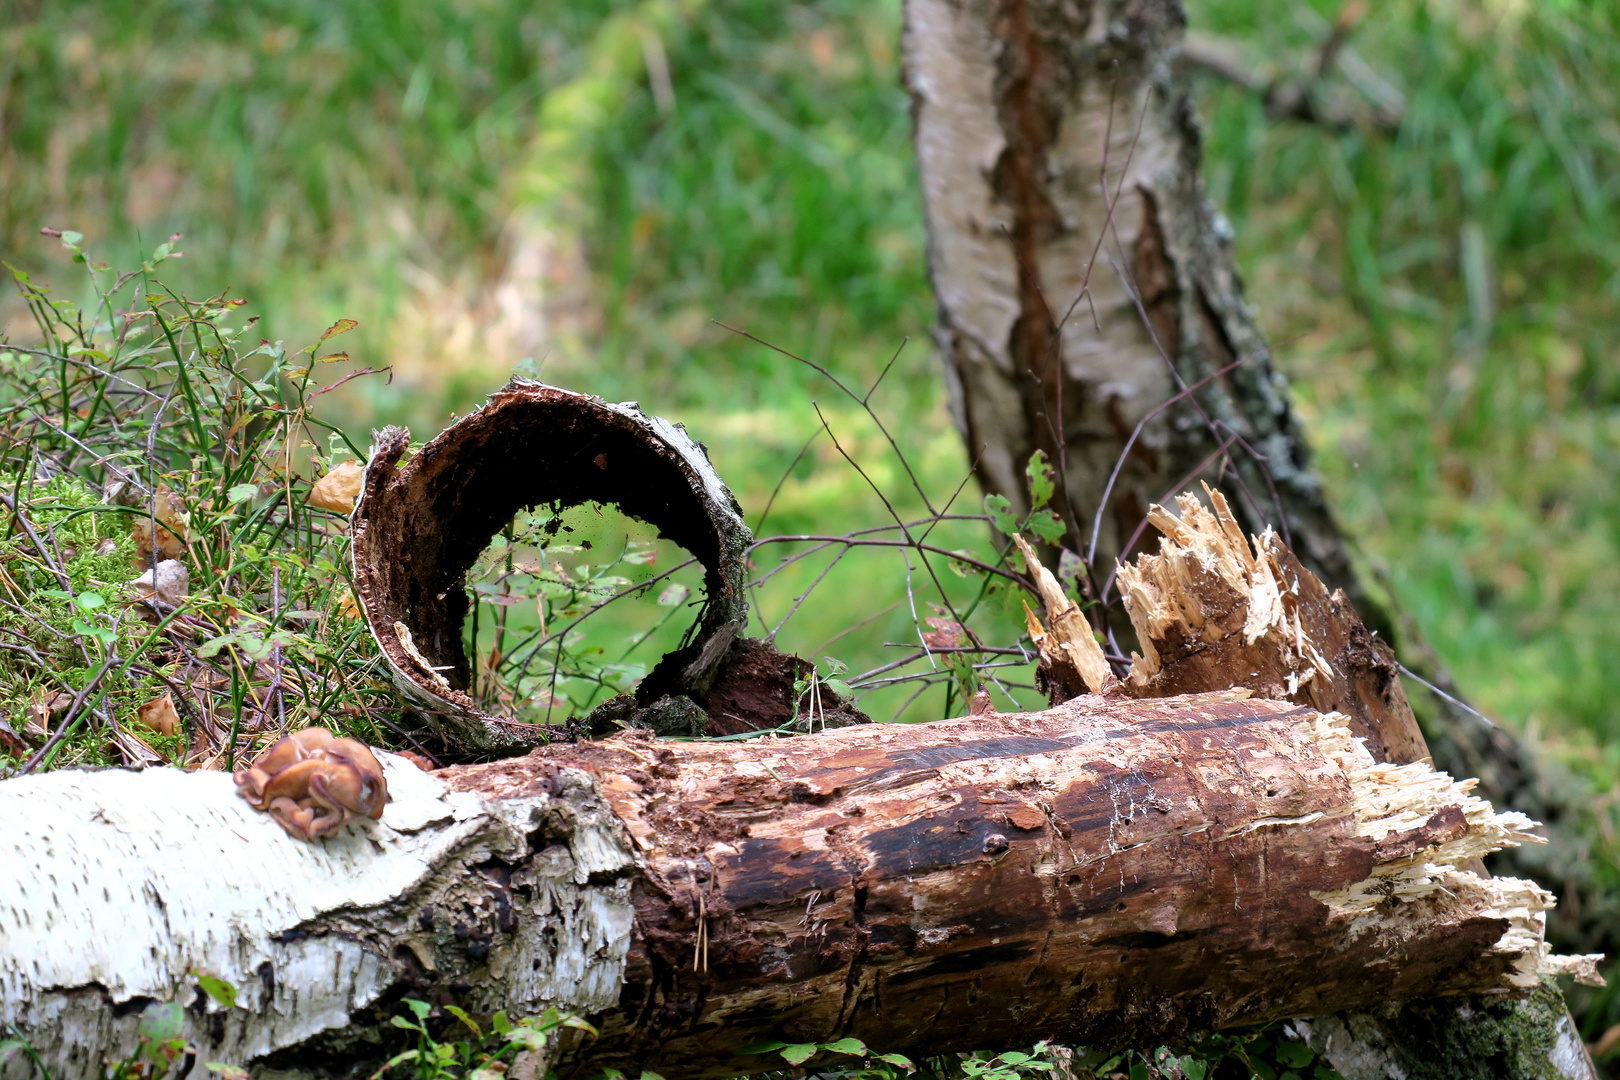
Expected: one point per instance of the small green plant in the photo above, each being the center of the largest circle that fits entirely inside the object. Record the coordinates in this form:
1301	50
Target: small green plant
1011	1065
1039	520
869	1066
486	1055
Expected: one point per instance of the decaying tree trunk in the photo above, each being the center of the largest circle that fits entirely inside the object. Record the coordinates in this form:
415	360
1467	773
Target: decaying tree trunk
1128	866
1214	609
1110	871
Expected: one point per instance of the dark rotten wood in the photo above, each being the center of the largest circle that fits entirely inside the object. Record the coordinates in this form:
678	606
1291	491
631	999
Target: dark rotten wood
1106	872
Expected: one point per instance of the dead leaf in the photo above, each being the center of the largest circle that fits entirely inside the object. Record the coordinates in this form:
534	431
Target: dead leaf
11	742
421	761
135	750
159	715
171	529
172	583
106	546
948	634
346	606
337	490
44	710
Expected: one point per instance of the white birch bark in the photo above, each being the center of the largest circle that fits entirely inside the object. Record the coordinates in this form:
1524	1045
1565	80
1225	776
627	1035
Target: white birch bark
118	886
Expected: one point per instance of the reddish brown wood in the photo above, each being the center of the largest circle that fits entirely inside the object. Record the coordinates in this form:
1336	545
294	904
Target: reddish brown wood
1109	871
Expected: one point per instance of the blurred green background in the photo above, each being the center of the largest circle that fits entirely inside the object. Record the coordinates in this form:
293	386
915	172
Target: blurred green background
1443	297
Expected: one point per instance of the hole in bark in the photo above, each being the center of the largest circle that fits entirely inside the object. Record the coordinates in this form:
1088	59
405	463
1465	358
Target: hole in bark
569	606
1120	906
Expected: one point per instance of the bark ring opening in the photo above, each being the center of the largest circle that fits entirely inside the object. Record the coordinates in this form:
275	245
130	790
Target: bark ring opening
419	527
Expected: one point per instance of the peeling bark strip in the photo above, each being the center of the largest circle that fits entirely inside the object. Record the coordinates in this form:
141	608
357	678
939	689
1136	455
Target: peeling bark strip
420	526
1106	872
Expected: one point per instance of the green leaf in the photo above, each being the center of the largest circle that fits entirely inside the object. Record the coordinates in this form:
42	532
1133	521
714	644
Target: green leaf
651	1076
846	1045
397	1059
241	493
212	646
332	358
1322	1072
461	1014
501	1023
763	1047
71	238
1289	1075
9	1048
228	1072
1041	485
898	1059
1013	1057
673	594
160	1022
839	687
1295	1054
1044	524
1139	1071
527	1037
799	1053
404	1022
218	989
90	601
1193	1068
1001	515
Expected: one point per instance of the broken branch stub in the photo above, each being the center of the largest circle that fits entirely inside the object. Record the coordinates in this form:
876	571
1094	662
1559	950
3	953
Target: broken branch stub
1215	609
420	526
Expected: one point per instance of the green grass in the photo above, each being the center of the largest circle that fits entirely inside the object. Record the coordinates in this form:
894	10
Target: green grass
1449	300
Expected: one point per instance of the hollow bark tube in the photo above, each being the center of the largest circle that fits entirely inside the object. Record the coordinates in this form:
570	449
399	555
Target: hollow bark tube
420	526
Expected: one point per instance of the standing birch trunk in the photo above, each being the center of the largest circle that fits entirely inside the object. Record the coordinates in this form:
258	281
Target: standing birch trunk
1089	307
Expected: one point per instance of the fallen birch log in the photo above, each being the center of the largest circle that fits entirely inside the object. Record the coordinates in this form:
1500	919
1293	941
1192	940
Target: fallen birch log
1106	872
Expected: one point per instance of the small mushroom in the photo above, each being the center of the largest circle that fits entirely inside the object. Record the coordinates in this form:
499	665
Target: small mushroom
313	783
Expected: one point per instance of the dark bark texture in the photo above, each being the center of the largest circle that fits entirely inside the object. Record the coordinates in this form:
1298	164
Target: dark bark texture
1106	873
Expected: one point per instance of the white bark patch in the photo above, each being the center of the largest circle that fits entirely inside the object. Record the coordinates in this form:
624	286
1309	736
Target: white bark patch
115	886
950	49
